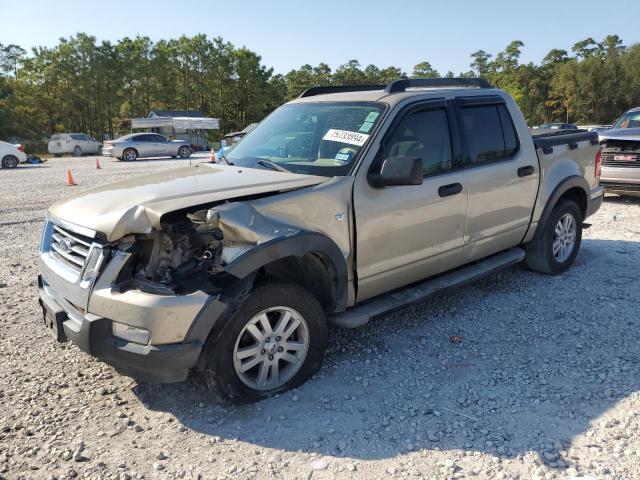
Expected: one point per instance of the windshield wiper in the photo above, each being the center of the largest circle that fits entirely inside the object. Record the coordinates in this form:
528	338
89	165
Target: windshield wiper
225	159
272	165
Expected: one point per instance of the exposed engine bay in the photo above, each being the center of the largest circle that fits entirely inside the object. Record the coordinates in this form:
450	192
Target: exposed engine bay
183	255
190	250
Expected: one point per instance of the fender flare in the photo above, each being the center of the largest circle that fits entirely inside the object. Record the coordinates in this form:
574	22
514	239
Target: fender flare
299	243
564	186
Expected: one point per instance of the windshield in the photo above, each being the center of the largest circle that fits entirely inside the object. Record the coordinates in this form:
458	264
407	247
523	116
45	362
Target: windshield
628	120
312	138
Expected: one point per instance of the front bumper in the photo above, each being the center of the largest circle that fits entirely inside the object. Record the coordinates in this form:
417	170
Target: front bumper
84	302
622	180
165	363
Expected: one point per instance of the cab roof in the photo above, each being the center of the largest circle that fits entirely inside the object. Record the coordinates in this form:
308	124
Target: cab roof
396	91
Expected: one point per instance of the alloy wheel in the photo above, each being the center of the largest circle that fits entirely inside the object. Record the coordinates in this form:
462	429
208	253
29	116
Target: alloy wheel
564	237
271	348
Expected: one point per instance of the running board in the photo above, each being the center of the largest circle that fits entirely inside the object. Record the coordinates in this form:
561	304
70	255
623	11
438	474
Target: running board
390	302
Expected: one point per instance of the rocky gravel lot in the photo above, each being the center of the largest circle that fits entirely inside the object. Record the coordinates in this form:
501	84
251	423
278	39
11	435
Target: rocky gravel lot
516	376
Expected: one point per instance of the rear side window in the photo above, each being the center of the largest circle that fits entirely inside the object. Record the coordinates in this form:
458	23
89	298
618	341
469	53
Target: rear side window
489	133
424	134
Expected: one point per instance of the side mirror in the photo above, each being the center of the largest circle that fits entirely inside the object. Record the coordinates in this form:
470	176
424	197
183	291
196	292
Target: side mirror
396	171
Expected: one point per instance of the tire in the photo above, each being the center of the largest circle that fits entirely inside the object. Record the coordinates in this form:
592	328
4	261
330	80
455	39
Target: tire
10	161
77	152
271	302
543	254
184	152
99	152
129	155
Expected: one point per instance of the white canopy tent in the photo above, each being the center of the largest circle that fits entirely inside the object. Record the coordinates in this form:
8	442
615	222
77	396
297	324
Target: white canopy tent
191	128
177	123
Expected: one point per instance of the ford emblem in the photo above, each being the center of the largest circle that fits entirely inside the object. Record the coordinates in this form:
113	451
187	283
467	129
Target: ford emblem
65	245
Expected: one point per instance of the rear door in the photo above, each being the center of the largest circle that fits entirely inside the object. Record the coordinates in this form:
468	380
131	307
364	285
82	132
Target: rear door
146	145
406	233
163	147
502	174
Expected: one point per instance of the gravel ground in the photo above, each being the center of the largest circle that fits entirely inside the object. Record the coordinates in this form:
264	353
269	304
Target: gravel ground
541	381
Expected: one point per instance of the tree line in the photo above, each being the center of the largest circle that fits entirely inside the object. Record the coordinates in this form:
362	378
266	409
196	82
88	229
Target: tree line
95	87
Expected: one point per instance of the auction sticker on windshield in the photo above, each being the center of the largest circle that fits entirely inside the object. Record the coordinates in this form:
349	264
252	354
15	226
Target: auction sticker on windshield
345	136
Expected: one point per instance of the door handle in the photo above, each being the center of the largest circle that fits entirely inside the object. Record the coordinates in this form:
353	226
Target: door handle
448	190
524	171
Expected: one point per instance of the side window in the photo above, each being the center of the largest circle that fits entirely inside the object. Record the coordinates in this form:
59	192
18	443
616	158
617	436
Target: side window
483	133
77	136
144	138
424	134
489	133
159	138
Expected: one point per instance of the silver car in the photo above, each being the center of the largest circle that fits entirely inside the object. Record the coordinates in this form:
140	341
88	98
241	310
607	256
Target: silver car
141	145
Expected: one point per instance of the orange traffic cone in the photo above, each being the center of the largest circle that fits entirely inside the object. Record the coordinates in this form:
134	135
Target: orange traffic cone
70	180
98	167
213	158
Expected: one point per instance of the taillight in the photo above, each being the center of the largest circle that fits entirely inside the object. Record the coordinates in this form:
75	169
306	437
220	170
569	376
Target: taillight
598	163
20	147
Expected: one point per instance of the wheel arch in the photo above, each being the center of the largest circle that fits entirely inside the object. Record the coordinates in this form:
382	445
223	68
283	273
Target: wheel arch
574	188
308	258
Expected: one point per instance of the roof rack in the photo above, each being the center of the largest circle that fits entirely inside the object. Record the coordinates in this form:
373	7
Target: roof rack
310	92
403	84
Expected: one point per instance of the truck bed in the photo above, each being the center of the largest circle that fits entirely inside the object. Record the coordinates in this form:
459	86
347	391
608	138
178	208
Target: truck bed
547	139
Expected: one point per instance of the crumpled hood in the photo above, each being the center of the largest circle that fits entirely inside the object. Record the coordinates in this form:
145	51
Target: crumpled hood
136	205
620	134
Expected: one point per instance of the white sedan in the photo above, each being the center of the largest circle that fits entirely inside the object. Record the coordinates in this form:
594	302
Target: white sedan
11	155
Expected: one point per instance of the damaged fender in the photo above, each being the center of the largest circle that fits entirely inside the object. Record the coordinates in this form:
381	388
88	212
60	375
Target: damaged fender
298	243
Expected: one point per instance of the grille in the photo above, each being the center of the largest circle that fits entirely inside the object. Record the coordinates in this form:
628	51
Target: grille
69	247
608	159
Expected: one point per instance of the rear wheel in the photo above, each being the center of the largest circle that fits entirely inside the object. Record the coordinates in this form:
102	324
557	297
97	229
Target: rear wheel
184	152
555	248
10	161
77	152
129	155
99	152
275	342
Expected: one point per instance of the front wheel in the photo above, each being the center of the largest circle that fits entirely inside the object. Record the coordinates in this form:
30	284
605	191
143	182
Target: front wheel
275	342
184	152
555	248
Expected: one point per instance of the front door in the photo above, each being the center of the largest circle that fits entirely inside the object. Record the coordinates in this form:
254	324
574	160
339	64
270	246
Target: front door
407	233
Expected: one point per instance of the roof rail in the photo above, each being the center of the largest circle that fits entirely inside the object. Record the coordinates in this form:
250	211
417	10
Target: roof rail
403	84
310	92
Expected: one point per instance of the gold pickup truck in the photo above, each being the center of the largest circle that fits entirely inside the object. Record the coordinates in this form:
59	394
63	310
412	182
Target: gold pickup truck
341	206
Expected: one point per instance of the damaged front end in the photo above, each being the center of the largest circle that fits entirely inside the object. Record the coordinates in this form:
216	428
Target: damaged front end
191	249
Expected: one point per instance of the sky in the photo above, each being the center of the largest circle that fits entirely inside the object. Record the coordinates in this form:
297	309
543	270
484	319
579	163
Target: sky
288	34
